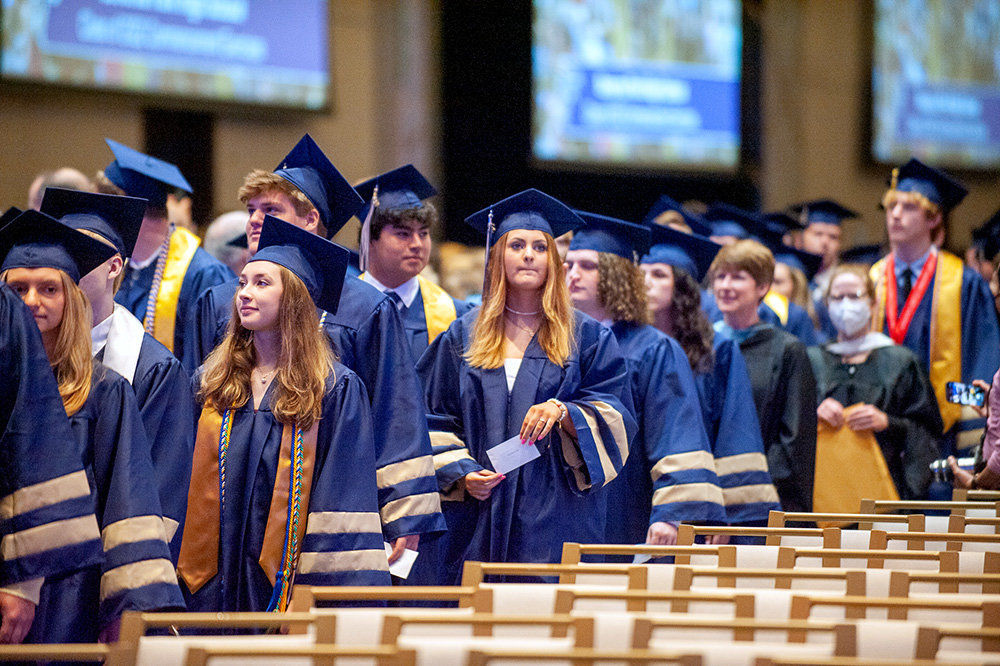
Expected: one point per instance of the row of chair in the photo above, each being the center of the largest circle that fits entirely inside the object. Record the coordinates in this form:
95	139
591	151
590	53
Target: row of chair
870	587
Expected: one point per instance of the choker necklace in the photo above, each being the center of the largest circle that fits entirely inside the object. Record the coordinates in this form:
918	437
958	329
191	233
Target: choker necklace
518	312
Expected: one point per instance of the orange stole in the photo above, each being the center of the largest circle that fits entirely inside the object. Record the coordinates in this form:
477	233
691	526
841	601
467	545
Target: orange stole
199	557
849	467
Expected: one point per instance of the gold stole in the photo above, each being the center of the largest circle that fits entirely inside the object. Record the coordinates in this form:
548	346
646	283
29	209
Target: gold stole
843	448
779	304
180	252
946	327
439	308
199	557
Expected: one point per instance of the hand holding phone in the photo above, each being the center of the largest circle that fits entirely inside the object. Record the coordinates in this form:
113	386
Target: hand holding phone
965	394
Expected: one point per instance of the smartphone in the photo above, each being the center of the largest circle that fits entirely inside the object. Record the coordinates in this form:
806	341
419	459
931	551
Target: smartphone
965	394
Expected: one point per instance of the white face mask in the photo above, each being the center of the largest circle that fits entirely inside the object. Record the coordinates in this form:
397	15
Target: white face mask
850	315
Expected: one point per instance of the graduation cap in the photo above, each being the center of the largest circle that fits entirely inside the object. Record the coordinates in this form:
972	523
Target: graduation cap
728	220
689	252
987	236
112	217
862	254
36	240
780	222
319	263
9	215
239	241
939	188
609	234
530	209
141	175
826	211
665	203
401	188
806	262
307	168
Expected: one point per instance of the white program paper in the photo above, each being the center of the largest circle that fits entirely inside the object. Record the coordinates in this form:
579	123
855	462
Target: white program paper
511	454
401	567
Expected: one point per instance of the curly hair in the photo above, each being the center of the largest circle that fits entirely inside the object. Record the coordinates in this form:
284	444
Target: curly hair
304	362
555	335
621	289
691	327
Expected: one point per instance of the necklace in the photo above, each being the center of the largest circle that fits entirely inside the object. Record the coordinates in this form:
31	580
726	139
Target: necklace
518	325
518	312
263	377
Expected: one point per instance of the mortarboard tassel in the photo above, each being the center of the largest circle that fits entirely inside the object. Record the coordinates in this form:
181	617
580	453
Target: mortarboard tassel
366	232
489	242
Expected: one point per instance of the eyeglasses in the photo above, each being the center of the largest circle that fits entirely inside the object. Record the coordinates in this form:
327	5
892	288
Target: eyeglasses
857	296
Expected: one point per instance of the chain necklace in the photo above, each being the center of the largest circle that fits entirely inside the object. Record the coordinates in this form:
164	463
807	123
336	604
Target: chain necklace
518	312
264	378
518	325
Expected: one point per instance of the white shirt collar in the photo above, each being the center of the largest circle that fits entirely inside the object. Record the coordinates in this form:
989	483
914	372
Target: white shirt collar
99	335
407	291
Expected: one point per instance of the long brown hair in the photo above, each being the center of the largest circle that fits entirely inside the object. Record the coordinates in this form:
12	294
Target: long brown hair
304	361
72	358
555	335
691	327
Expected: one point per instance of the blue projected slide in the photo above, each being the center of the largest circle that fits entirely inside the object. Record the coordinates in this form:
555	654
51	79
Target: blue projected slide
936	82
271	53
653	83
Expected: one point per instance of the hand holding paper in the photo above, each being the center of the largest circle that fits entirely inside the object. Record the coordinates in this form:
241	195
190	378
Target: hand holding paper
511	454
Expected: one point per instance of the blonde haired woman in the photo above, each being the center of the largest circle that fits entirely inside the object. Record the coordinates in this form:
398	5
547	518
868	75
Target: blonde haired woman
525	366
283	482
42	261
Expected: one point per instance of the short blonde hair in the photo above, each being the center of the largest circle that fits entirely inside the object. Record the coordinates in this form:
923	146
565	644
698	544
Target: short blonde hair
259	181
892	195
745	255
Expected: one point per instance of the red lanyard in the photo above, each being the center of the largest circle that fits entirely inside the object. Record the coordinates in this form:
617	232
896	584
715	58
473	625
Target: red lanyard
898	328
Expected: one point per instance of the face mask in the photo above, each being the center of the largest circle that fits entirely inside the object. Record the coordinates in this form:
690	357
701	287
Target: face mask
850	315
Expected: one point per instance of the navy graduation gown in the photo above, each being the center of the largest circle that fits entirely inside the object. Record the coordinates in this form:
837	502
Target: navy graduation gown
784	393
203	272
670	474
53	524
415	323
368	337
891	380
137	572
343	540
555	498
980	331
166	404
734	435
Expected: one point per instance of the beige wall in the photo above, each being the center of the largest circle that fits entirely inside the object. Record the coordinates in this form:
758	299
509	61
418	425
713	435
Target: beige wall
384	113
47	129
815	86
